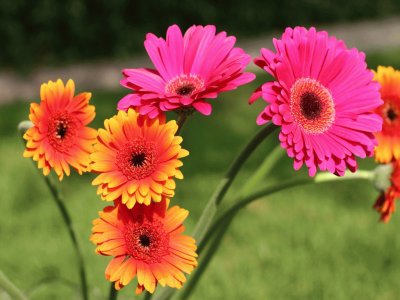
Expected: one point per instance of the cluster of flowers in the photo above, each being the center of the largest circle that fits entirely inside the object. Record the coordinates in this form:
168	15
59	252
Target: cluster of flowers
327	103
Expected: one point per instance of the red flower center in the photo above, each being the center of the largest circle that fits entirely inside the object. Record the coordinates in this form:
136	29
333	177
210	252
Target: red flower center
137	159
312	105
61	131
147	241
184	85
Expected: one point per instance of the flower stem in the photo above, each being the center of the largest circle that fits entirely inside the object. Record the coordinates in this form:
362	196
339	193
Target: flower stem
218	235
266	166
182	118
68	222
23	127
10	288
210	210
113	295
222	223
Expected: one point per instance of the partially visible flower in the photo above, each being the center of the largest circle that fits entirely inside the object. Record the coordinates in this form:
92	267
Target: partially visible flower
388	147
189	69
146	242
137	158
323	98
59	137
385	204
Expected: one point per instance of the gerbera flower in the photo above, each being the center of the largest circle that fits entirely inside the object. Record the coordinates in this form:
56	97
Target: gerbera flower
389	138
189	69
59	136
146	242
322	97
385	204
137	158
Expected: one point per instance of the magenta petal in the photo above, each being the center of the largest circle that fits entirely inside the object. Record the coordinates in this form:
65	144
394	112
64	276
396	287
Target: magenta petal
128	101
201	62
203	107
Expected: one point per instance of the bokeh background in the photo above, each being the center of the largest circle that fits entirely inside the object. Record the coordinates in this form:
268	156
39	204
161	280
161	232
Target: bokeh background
311	242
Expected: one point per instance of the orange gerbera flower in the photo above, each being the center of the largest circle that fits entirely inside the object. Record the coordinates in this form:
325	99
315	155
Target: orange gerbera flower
146	242
385	204
59	136
389	138
137	159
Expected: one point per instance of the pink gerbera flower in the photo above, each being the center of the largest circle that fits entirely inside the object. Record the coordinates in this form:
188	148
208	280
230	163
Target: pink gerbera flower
189	69
323	99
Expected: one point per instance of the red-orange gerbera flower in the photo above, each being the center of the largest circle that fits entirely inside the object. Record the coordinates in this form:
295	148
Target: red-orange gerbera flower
59	136
146	242
389	138
385	204
138	158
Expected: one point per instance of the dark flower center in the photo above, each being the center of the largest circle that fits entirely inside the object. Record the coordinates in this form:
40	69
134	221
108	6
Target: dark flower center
138	159
144	240
391	114
61	129
311	106
185	90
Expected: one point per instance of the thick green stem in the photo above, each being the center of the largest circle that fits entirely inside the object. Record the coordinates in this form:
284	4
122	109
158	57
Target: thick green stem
113	295
211	208
206	258
68	222
22	127
264	169
10	288
222	223
181	121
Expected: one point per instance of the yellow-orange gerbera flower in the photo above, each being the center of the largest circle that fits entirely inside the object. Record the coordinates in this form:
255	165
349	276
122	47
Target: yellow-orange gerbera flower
137	158
59	136
385	204
389	138
146	242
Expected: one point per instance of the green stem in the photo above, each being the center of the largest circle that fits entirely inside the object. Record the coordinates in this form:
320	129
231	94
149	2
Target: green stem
227	217
218	235
68	222
113	295
10	288
210	210
182	118
22	127
266	166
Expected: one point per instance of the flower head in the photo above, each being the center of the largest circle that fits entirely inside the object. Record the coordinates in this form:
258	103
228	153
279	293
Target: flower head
385	204
146	242
323	98
189	69
389	138
59	137
137	158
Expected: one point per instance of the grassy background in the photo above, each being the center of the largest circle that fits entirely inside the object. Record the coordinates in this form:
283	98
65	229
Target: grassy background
312	242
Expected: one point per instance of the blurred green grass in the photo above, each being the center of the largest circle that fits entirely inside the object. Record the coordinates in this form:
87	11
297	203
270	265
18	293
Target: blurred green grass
311	242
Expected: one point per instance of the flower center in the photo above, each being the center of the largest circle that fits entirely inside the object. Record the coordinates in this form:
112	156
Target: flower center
147	240
137	159
391	114
144	240
184	85
61	128
312	105
61	131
